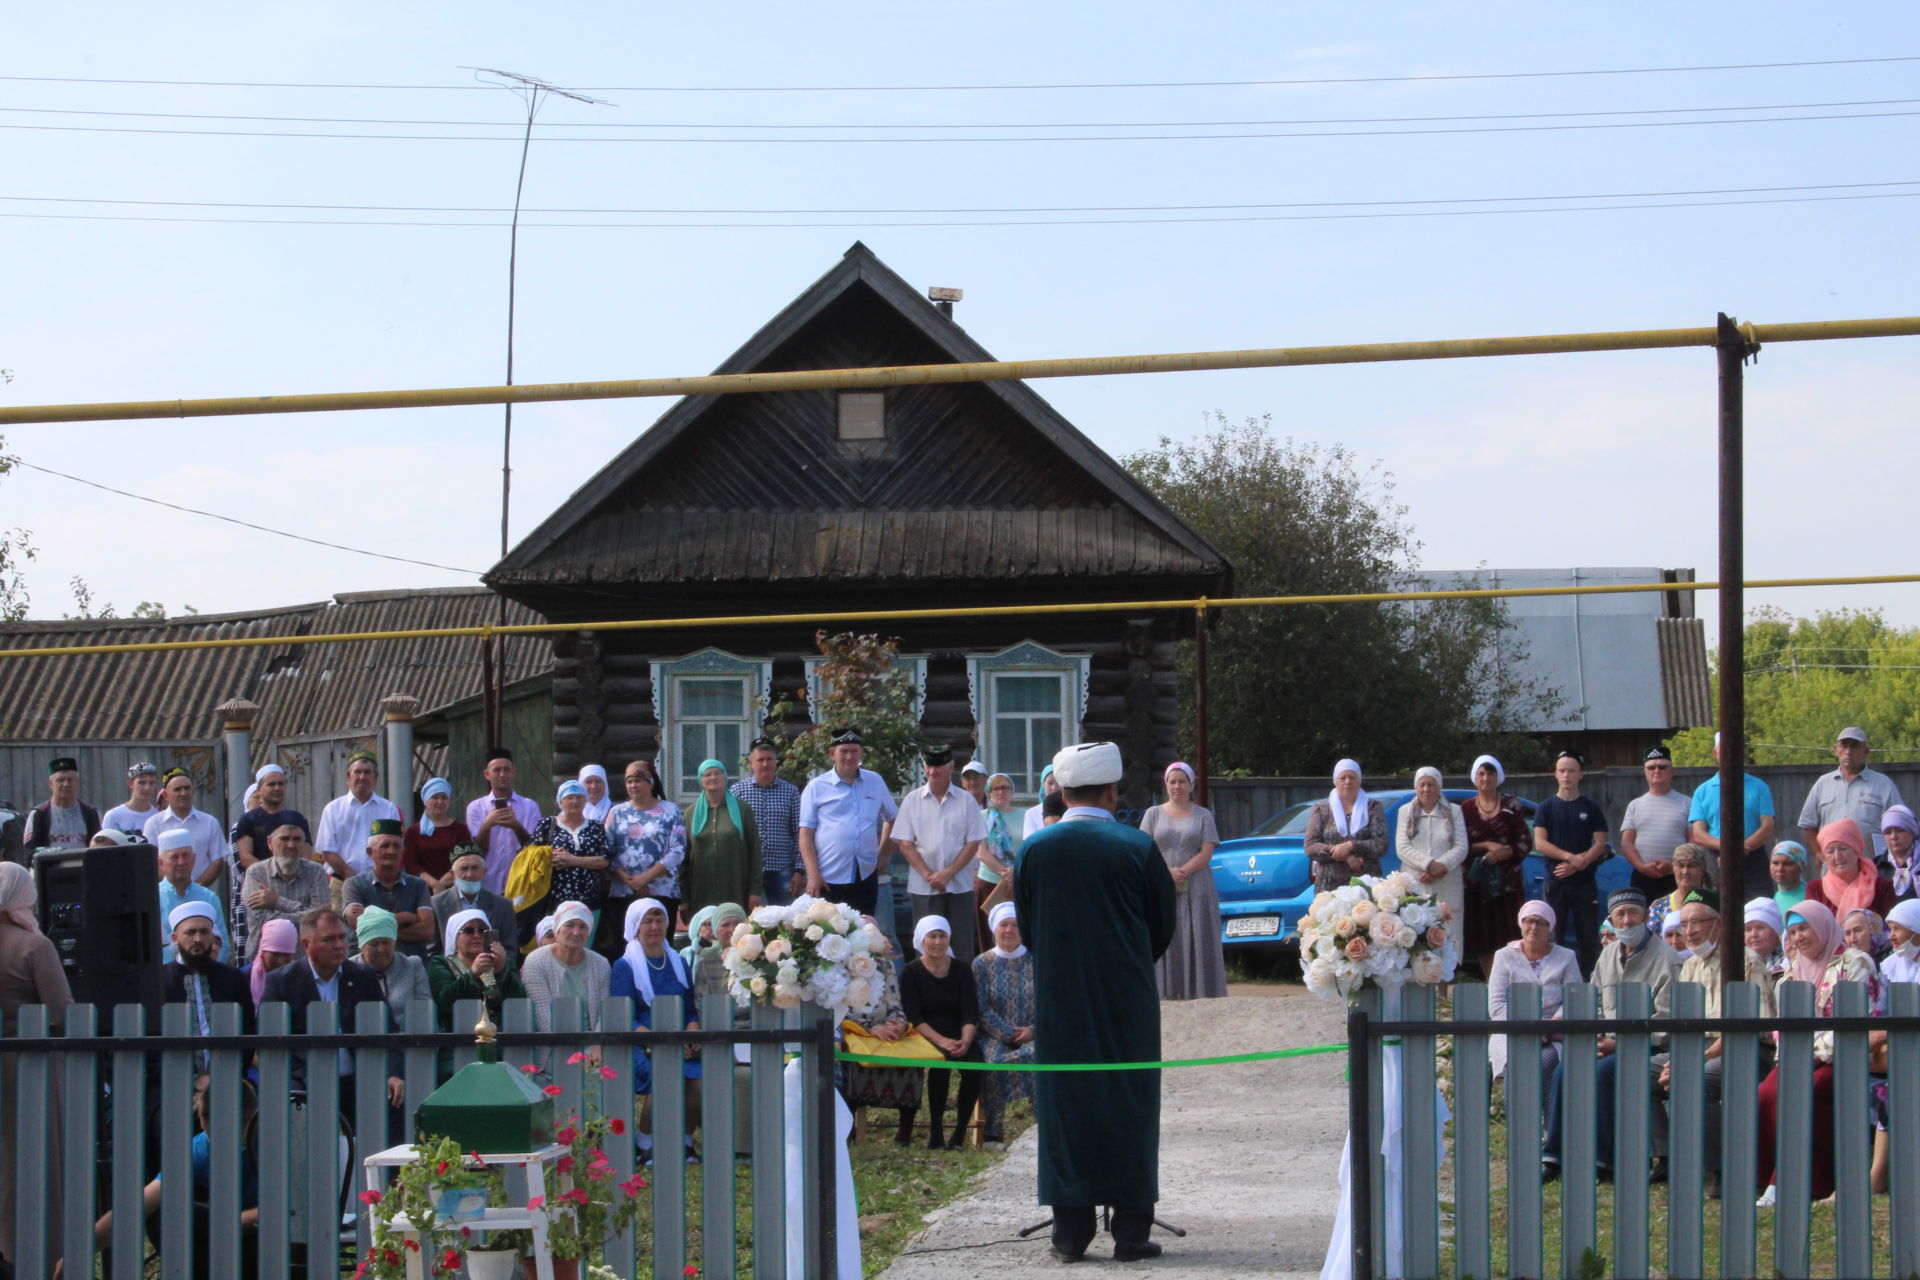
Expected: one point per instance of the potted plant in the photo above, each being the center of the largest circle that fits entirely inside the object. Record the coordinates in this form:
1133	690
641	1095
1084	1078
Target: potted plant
439	1194
586	1204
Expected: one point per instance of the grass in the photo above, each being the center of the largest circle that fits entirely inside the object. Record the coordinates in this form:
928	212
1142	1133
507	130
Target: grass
1822	1231
1279	966
896	1188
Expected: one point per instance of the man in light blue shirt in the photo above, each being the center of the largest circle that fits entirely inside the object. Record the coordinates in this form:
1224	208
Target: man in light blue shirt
1756	809
176	886
845	815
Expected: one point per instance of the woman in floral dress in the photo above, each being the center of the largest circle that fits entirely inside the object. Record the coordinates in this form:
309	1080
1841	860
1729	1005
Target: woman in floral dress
1003	975
648	840
580	852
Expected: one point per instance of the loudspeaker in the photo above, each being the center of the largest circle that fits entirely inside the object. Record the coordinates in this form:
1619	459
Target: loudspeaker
101	909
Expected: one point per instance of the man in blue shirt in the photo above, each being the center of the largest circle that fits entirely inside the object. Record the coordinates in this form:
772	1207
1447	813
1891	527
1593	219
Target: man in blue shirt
1756	809
177	887
776	814
1570	832
845	815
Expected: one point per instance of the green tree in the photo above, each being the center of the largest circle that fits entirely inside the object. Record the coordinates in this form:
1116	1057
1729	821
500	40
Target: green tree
1807	678
1293	688
860	685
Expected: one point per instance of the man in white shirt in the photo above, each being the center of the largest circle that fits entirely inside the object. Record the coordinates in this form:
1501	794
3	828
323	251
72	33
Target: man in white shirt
940	830
143	784
347	821
502	821
209	841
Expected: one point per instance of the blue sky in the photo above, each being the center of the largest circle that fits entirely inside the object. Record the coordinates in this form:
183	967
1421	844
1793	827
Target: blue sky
1551	461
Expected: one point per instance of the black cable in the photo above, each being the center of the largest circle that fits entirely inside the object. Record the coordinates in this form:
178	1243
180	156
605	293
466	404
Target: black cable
1094	208
214	515
1031	222
1056	124
1004	88
919	140
956	1248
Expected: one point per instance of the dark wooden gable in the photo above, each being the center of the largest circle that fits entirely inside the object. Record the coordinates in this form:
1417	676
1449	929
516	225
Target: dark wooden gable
974	482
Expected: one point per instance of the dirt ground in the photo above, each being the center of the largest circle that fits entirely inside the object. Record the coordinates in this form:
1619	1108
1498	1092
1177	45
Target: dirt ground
1249	1155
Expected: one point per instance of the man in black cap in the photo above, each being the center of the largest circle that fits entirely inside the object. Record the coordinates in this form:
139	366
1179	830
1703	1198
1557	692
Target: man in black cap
940	831
386	885
62	822
1570	831
1639	955
1655	825
845	815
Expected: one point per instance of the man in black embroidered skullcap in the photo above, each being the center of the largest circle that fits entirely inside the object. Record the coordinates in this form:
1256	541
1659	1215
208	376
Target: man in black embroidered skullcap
63	822
940	831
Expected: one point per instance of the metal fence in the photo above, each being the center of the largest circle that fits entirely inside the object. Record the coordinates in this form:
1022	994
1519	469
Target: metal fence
1240	804
95	1116
1499	1225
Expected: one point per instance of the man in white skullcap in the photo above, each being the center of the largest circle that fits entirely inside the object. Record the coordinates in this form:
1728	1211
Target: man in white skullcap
1096	907
177	888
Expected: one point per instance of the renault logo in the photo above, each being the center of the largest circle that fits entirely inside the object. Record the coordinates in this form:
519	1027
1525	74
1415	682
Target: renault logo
1252	873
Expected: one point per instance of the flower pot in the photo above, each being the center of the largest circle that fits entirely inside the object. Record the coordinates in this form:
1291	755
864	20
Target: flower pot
460	1204
493	1264
566	1269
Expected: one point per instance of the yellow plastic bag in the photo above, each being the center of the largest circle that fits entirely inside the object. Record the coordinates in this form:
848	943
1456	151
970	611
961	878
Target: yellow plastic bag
530	883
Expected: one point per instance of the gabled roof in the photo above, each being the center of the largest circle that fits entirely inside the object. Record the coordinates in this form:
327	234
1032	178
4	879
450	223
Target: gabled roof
800	523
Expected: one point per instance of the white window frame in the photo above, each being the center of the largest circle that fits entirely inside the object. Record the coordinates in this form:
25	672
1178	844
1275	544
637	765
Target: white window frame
707	664
914	663
1026	659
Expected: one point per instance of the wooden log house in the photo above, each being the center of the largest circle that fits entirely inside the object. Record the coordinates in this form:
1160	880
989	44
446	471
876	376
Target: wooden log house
975	494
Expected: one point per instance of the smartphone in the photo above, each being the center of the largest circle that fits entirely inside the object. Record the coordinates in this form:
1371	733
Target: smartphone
502	804
493	938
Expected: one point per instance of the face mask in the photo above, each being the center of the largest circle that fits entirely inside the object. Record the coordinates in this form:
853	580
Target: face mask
468	888
1706	949
1632	936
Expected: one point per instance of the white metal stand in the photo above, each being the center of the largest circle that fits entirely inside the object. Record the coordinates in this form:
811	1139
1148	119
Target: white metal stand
504	1218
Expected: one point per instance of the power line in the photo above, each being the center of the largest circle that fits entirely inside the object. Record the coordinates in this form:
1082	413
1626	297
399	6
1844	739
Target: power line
934	138
214	515
983	222
1005	88
1043	124
1095	208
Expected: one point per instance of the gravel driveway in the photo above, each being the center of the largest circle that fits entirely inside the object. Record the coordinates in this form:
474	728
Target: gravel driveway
1249	1156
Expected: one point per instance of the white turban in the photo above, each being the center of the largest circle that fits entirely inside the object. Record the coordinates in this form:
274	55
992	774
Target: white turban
266	771
1088	764
187	911
246	801
1428	771
177	838
1348	766
929	924
593	771
1002	911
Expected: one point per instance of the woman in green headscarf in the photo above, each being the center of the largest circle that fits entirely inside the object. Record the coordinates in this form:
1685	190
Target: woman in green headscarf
723	846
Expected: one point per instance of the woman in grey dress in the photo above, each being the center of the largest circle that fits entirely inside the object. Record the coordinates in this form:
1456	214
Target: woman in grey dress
1193	968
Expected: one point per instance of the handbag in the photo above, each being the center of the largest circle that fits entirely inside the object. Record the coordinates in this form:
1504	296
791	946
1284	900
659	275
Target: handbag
1486	879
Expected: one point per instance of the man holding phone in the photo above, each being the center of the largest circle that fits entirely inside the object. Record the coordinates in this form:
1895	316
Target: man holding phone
502	821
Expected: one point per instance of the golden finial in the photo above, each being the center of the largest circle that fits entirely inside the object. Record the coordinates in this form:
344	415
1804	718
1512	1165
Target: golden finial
484	1031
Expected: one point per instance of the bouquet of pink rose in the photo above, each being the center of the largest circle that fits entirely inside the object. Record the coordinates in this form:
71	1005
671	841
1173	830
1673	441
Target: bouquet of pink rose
812	951
1383	930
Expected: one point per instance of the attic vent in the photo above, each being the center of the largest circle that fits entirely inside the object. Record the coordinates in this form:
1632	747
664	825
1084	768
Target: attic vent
863	415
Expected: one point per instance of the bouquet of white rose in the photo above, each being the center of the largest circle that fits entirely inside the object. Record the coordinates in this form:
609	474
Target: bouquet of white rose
1384	930
812	951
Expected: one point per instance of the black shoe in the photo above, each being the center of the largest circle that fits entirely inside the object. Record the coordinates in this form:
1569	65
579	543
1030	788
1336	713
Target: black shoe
1659	1171
1549	1171
1135	1252
935	1140
1065	1257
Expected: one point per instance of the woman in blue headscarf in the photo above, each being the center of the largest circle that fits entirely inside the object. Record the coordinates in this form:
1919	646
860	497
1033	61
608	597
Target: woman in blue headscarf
723	846
581	854
427	847
1035	819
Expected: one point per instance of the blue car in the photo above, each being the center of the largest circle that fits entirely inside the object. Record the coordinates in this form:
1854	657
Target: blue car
1265	882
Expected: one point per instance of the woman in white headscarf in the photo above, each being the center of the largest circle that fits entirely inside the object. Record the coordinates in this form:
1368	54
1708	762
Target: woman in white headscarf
567	970
1432	845
1498	833
648	970
1003	976
944	1007
594	778
30	973
1346	832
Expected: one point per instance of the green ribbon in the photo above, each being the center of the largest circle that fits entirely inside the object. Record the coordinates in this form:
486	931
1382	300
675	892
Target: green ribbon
874	1060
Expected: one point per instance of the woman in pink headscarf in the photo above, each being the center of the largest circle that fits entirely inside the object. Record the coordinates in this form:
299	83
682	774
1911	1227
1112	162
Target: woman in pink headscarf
279	944
1813	937
29	974
1537	960
1851	883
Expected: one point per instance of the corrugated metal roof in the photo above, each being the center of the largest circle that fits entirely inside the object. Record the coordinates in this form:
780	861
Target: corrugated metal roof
301	689
1683	672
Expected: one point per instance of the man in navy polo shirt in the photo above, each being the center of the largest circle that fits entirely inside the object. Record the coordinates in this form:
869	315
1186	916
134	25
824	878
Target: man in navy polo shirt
1570	832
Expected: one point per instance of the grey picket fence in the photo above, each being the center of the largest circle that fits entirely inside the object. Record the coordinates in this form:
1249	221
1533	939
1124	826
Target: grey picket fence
85	1102
1466	1243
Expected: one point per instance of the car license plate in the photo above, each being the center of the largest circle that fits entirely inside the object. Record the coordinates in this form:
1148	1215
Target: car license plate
1253	927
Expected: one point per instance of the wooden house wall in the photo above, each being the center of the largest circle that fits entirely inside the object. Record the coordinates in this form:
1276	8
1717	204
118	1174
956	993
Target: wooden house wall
603	689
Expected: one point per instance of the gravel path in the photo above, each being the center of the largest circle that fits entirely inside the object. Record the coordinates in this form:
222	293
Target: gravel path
1249	1156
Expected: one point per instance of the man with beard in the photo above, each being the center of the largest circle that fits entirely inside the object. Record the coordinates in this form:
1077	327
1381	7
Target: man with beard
284	886
1096	906
177	887
196	978
247	842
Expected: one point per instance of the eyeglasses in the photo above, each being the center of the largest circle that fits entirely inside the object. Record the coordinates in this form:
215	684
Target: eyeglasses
473	928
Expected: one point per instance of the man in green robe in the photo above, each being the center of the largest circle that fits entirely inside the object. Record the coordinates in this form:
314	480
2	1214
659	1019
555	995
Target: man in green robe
1096	907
